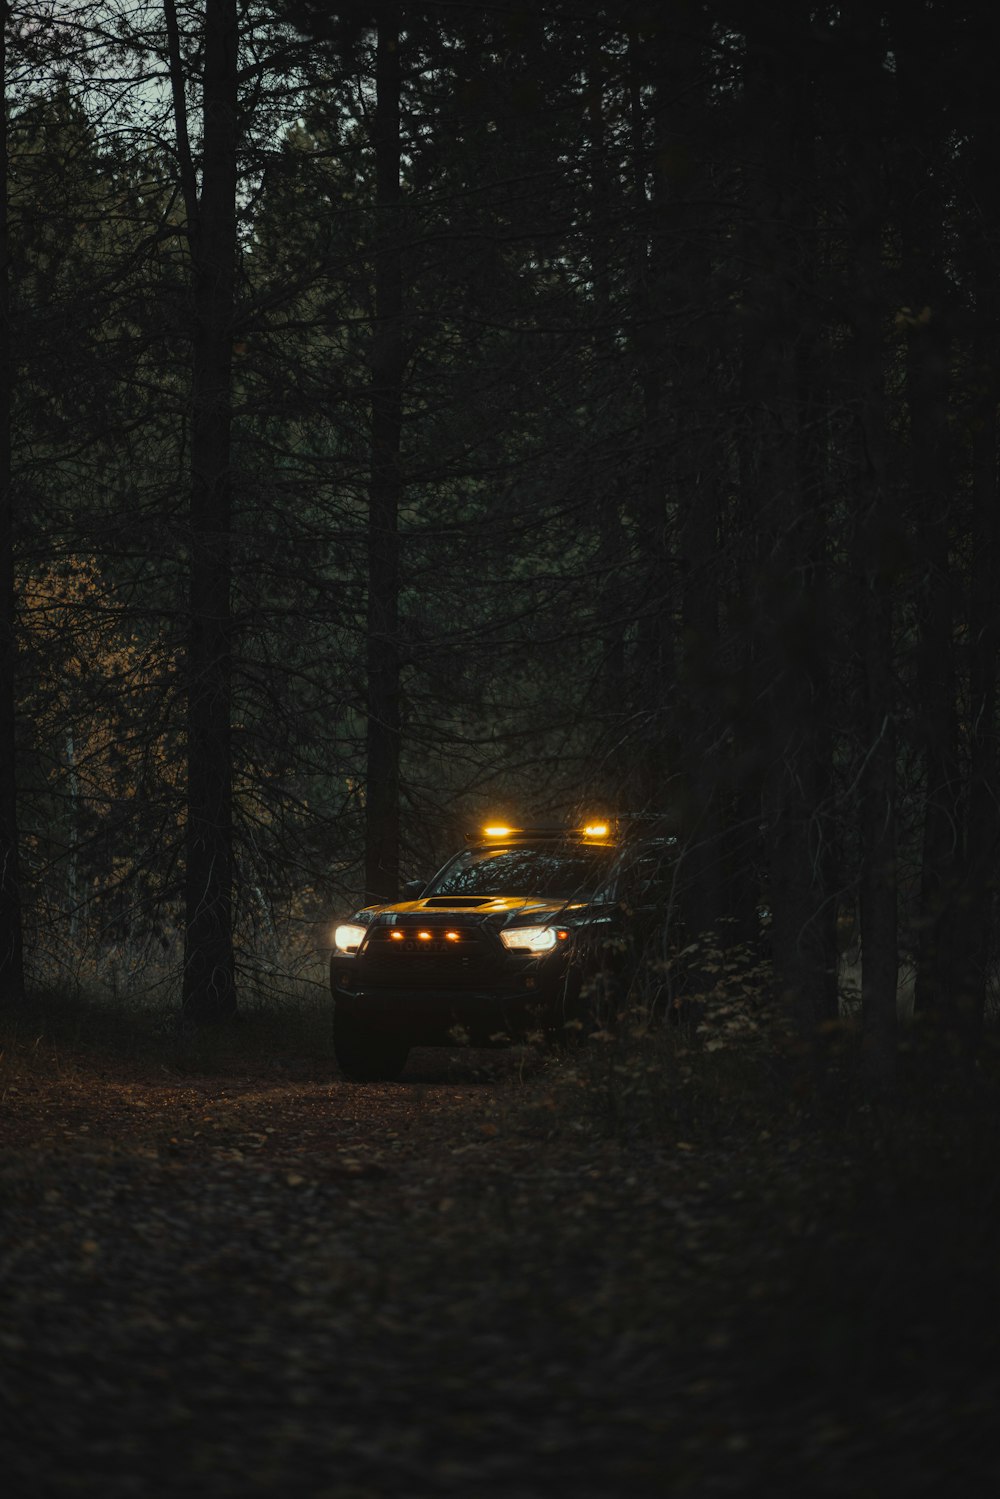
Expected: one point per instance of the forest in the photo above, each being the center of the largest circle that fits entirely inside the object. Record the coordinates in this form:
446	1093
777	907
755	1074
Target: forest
415	413
410	411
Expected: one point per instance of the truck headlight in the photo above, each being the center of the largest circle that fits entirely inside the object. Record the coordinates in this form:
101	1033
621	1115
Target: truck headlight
532	938
349	936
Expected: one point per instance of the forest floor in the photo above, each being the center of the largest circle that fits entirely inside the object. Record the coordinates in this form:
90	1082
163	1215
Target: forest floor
258	1279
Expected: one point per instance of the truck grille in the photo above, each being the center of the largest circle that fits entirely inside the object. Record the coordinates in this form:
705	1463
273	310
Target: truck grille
445	957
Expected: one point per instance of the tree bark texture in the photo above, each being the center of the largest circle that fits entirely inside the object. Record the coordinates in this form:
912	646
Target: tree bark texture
879	554
383	706
977	892
209	988
11	938
607	498
696	479
782	507
924	323
654	670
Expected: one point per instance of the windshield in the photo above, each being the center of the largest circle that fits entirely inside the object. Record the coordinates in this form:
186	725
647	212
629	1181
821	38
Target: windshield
552	872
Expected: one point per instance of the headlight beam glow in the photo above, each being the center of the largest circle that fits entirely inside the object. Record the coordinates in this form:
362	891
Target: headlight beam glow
530	938
349	936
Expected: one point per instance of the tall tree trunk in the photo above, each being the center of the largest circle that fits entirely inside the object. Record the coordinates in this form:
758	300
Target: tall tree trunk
878	882
782	504
11	940
878	555
654	666
977	896
209	988
942	810
924	322
680	104
605	477
977	893
383	732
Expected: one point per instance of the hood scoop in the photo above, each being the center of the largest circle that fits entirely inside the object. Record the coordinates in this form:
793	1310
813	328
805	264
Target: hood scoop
458	902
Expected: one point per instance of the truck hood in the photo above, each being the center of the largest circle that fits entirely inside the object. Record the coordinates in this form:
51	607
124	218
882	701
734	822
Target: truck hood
482	905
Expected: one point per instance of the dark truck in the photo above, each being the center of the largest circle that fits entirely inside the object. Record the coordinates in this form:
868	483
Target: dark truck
518	936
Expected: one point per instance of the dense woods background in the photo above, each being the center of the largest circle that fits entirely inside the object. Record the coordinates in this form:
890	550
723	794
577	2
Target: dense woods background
410	411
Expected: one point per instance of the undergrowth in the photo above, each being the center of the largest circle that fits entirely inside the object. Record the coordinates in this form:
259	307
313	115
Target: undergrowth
93	1027
649	1080
646	1079
641	1079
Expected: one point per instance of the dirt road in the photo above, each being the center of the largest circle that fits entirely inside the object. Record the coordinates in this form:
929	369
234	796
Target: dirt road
285	1284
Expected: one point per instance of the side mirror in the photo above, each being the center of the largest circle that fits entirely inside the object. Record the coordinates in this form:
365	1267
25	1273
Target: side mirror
414	889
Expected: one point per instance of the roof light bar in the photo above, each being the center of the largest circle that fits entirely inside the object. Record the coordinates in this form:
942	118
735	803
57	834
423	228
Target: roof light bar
592	830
